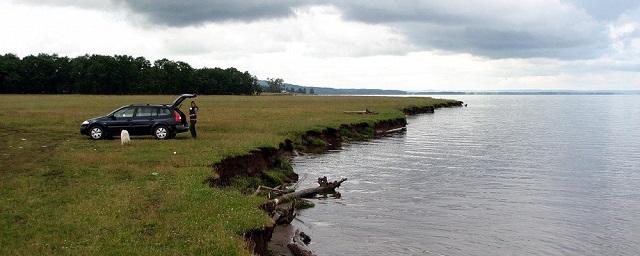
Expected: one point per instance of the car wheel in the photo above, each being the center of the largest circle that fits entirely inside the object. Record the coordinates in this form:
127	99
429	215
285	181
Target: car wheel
161	132
97	132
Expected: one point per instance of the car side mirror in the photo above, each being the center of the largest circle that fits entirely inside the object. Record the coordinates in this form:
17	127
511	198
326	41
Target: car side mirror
112	117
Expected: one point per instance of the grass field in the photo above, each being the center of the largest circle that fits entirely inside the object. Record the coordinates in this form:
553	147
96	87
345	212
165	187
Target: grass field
61	193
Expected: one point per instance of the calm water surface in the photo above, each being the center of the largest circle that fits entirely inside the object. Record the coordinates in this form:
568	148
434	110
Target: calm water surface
508	175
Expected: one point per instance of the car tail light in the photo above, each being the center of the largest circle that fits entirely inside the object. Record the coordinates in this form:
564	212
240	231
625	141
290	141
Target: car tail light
177	117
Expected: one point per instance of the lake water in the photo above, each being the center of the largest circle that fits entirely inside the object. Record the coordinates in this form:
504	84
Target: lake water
507	175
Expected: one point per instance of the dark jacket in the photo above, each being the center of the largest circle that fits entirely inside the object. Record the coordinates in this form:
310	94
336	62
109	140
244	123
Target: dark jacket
193	113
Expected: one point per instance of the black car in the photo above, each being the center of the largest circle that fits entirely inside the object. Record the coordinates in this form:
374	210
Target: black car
163	121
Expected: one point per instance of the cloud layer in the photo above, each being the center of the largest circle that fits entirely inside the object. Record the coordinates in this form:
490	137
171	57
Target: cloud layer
411	44
572	29
492	28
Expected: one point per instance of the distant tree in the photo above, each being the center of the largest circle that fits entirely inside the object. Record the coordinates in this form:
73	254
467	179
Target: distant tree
301	90
173	77
275	84
256	89
9	73
141	73
311	91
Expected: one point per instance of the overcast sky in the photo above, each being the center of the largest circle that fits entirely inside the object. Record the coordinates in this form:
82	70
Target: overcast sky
410	45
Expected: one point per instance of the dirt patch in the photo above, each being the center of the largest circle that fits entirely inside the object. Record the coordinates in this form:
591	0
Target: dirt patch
253	164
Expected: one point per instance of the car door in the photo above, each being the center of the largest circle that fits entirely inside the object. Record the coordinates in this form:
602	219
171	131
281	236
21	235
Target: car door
144	119
121	120
178	101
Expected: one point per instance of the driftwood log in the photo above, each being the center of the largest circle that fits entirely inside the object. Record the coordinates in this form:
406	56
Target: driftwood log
361	112
324	187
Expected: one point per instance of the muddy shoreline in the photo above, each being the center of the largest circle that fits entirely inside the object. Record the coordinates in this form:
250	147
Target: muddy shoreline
257	162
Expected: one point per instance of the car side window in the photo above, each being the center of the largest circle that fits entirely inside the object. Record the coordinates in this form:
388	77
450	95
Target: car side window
124	113
165	112
146	112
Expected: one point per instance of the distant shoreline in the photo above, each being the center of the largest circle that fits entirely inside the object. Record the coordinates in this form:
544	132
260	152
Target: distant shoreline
554	92
390	92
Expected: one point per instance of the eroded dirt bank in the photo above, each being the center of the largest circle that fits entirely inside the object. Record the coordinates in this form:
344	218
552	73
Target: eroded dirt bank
259	162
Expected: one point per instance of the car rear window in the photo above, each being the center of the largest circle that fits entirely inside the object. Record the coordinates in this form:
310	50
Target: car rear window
147	112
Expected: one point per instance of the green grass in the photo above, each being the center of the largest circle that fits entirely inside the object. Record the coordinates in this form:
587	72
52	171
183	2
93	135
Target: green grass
61	193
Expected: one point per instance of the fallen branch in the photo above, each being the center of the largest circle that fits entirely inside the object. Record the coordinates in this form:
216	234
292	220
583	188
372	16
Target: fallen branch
324	187
268	188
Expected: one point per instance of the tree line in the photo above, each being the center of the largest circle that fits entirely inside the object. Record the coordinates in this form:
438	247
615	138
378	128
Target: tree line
118	74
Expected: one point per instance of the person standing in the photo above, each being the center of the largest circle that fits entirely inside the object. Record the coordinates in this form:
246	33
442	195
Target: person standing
193	118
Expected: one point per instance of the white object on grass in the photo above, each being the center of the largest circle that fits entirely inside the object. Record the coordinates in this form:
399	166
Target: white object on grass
124	137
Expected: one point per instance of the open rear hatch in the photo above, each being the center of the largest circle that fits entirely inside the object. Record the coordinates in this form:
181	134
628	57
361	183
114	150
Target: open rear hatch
178	101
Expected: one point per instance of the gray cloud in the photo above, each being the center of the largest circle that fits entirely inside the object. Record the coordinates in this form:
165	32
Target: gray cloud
500	43
498	30
193	12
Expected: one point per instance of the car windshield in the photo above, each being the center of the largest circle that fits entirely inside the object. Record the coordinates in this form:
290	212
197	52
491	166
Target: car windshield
124	113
